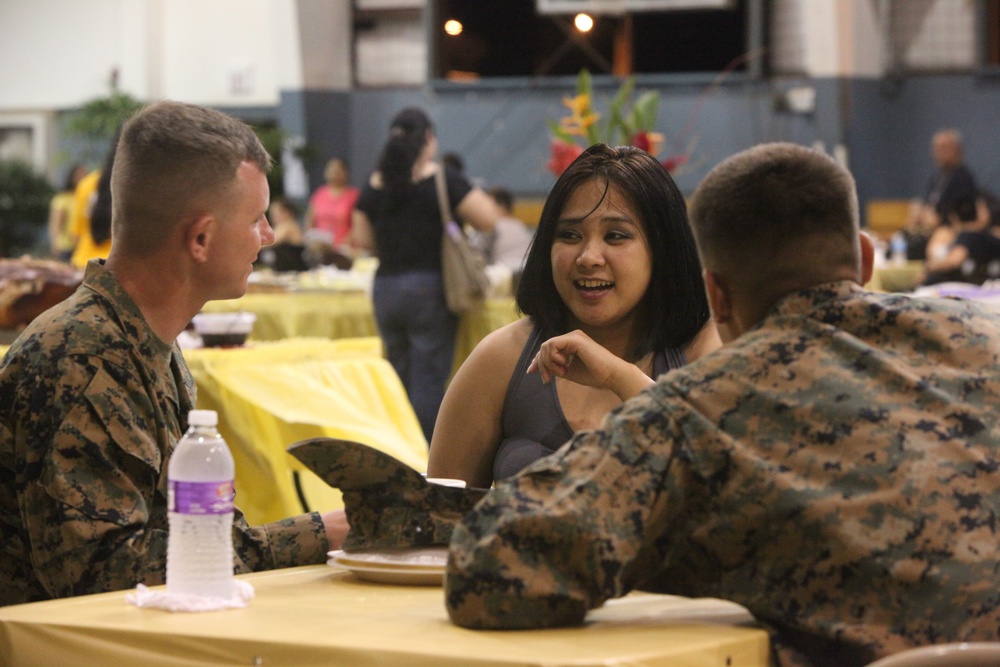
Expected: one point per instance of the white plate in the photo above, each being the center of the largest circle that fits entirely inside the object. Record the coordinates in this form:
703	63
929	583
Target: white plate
423	567
386	575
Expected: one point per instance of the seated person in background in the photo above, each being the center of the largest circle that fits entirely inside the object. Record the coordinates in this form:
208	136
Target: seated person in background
287	253
283	217
94	394
508	243
950	182
974	254
833	467
613	257
331	204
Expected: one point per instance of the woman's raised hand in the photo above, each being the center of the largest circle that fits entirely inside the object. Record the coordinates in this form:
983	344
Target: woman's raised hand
575	356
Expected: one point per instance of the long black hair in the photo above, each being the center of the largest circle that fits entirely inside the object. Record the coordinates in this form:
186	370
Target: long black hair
100	214
408	134
674	308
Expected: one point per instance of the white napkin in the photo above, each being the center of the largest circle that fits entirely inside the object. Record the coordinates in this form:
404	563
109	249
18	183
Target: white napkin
160	599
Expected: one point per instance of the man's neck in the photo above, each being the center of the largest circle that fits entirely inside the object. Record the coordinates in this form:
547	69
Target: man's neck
160	292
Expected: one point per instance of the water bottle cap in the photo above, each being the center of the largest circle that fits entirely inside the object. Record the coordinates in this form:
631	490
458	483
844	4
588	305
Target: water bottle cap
203	418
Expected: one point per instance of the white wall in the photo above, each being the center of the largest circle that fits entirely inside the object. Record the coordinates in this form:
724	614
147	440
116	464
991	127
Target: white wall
868	38
55	54
60	53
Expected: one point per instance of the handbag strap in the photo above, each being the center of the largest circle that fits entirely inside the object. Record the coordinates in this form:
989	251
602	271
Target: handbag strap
442	193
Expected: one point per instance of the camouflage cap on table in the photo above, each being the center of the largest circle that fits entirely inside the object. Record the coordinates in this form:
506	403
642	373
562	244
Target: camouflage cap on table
388	503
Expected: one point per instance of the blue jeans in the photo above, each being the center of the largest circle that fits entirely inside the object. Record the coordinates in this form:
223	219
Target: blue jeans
418	333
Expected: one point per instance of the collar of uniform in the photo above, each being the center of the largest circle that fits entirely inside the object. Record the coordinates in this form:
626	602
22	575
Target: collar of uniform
98	278
805	301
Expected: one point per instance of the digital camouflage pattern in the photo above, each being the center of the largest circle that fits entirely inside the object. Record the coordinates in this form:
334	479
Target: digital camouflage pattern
91	405
835	470
388	503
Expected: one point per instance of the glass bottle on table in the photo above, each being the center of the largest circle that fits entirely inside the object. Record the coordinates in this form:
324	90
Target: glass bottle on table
200	503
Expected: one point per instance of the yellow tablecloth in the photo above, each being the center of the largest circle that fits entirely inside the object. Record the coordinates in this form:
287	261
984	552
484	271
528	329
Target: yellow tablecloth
343	314
321	615
317	314
269	395
896	277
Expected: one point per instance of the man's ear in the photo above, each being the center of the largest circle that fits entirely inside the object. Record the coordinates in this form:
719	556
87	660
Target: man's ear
200	233
718	298
867	257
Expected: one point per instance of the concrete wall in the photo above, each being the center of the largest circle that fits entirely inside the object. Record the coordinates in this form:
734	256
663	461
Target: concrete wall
291	62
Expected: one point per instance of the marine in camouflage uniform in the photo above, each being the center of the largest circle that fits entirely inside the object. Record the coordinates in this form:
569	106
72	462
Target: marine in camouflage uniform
92	405
834	468
838	477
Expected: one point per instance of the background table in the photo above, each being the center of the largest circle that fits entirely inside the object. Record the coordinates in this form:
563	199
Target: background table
269	395
896	277
343	314
321	615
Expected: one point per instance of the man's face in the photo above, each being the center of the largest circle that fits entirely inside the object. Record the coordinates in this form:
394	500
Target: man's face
242	229
945	150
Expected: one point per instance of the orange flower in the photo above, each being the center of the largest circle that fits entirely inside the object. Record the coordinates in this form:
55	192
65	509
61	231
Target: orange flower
581	115
579	105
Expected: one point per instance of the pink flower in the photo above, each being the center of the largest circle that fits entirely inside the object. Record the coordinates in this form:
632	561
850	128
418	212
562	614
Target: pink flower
562	155
675	161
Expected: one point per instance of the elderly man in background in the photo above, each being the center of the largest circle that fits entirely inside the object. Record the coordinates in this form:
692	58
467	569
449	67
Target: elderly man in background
833	468
950	183
94	394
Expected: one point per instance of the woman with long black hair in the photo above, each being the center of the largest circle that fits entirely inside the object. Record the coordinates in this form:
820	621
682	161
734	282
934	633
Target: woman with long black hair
397	217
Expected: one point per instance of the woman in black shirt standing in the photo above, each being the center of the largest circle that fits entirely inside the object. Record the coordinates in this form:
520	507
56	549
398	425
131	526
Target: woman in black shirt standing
398	218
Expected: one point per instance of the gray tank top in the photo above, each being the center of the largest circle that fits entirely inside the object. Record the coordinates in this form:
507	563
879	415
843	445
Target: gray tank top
533	421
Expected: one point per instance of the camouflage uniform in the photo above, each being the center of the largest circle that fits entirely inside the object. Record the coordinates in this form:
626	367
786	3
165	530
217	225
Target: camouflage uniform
91	404
835	470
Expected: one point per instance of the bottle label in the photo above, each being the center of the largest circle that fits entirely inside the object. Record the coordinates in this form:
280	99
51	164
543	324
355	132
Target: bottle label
200	497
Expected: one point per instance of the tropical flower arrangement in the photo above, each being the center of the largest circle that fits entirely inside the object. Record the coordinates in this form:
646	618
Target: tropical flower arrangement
627	122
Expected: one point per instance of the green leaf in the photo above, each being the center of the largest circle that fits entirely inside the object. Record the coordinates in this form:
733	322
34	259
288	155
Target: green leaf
585	85
99	118
616	127
645	110
624	93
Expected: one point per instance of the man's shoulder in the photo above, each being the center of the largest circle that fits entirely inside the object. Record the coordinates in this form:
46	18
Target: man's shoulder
85	324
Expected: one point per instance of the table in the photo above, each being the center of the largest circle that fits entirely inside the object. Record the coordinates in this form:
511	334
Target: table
322	615
896	277
269	395
348	313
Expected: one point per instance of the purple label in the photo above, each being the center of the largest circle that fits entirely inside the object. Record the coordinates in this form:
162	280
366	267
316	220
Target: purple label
201	497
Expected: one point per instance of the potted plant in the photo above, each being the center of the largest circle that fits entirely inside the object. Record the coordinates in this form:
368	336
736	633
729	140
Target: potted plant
24	209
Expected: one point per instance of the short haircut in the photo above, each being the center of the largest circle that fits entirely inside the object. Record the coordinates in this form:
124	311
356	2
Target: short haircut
951	134
503	197
174	160
674	308
775	217
287	204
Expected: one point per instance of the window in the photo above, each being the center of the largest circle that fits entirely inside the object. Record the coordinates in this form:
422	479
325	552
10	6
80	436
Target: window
510	38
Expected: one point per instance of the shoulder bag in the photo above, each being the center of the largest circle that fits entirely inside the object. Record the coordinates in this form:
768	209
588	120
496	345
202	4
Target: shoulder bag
463	268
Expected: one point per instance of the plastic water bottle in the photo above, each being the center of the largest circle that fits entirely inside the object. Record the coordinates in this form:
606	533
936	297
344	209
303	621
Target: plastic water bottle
897	244
200	504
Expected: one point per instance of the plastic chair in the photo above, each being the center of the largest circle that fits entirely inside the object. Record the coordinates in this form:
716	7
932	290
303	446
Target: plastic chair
966	654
